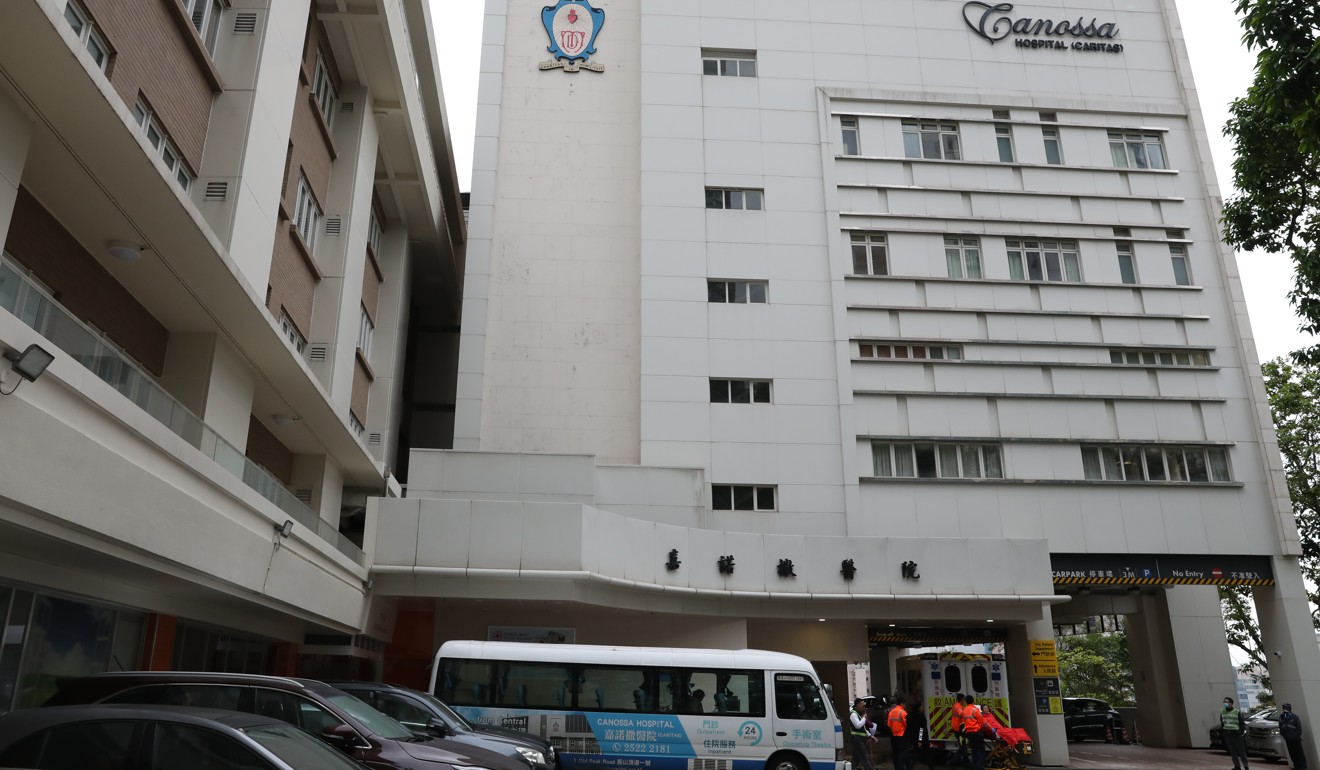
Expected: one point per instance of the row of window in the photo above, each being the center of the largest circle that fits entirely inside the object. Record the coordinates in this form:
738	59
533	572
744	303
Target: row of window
162	144
1150	357
1028	259
940	140
885	350
88	35
1127	357
1099	463
945	461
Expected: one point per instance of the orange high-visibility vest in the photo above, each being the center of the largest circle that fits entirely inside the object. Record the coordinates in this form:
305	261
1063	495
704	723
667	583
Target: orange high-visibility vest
973	719
957	718
898	721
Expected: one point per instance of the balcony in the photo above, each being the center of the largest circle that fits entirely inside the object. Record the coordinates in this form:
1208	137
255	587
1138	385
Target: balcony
35	308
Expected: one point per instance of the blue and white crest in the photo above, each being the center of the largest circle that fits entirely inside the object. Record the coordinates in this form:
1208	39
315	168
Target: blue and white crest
572	26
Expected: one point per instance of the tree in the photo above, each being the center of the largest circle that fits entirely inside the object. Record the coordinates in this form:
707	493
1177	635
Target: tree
1096	666
1275	129
1293	388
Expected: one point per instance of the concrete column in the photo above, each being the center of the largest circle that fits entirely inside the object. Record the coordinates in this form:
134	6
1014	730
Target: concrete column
1180	665
326	482
1289	638
1045	729
211	379
17	131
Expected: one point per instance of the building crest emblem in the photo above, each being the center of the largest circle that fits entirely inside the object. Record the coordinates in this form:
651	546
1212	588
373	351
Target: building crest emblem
572	26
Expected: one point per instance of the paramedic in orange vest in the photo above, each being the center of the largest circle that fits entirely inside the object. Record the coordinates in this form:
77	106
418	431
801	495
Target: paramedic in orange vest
973	723
956	722
897	720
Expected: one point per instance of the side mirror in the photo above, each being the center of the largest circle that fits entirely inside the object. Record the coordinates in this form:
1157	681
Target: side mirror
341	736
437	727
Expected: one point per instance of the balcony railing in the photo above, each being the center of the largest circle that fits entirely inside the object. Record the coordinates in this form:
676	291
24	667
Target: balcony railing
30	304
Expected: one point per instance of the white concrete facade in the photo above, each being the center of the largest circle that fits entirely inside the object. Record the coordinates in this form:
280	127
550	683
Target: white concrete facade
1140	347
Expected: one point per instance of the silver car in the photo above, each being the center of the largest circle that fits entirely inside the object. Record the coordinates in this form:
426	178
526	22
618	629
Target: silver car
1263	738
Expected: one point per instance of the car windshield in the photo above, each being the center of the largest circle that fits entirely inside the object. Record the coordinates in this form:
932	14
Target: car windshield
450	715
370	718
299	749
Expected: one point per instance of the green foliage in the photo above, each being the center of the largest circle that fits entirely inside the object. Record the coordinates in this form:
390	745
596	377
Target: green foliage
1275	129
1096	666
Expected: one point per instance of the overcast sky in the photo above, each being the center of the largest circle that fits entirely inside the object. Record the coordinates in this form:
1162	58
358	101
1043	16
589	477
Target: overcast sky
1221	65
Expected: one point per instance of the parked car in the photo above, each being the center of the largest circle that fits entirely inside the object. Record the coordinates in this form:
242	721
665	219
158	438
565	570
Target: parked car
338	718
1263	738
161	738
1091	718
419	711
1216	734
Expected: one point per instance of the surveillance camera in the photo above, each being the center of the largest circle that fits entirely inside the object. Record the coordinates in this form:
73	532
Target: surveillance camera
1278	654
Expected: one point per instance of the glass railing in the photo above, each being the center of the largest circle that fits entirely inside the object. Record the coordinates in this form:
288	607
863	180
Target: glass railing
20	296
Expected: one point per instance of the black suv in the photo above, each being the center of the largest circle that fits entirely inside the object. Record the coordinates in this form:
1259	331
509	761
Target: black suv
420	711
1091	718
338	718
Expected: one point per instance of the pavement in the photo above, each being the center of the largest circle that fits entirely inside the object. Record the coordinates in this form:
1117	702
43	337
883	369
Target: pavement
1108	756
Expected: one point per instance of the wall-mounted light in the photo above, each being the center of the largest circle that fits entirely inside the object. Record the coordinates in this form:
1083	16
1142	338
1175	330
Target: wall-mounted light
285	419
29	365
125	251
285	529
367	584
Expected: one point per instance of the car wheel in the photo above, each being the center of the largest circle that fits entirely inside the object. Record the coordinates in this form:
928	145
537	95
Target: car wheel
785	761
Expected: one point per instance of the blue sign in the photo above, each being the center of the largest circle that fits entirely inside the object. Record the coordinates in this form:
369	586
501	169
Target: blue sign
572	26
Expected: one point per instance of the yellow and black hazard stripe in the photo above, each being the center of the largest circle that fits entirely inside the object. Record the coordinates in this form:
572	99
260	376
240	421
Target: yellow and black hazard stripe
1162	581
926	637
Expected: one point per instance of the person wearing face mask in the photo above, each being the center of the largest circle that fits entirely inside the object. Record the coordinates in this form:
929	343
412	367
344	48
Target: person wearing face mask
1233	725
1290	727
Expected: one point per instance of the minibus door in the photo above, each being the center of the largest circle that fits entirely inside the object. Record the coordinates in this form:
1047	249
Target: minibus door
800	716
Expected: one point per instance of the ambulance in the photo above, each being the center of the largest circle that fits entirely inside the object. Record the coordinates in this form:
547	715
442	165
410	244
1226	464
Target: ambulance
938	677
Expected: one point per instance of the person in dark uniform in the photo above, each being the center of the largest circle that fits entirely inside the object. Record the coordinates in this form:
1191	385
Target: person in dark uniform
1290	727
918	731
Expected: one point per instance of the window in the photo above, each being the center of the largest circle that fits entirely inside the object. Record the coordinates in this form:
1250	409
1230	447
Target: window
177	745
1154	357
373	232
72	745
733	64
88	35
931	352
324	89
739	391
1001	114
205	15
1175	235
1131	464
797	697
1131	149
306	213
870	254
1049	117
963	255
1122	232
1004	138
945	461
1127	269
365	331
734	198
736	291
290	330
1053	152
742	497
852	141
1043	261
161	144
1178	255
356	425
930	140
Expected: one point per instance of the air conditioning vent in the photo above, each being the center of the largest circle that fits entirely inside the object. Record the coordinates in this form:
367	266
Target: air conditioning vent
317	353
333	225
217	191
345	106
245	24
373	439
304	496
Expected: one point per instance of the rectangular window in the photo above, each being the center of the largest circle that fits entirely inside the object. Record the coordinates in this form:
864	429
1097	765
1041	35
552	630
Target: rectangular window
1127	269
290	331
1178	255
963	256
1135	149
739	391
160	142
945	461
1155	357
1044	261
730	64
852	141
734	198
1053	150
742	497
365	331
306	213
373	232
738	292
1155	462
356	425
88	35
205	15
1004	139
912	352
324	89
1049	117
931	140
870	254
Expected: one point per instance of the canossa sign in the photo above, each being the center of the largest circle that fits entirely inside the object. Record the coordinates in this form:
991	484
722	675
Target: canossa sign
572	26
995	22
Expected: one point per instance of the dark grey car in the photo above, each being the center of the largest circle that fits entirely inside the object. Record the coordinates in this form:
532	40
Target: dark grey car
421	711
